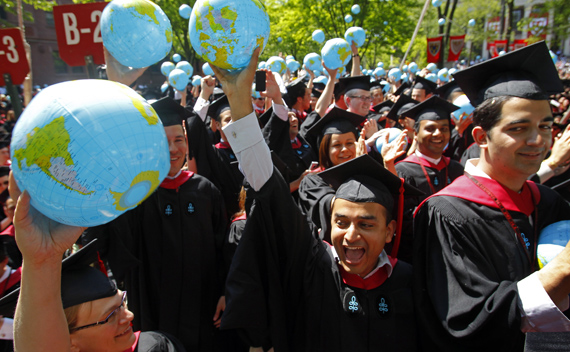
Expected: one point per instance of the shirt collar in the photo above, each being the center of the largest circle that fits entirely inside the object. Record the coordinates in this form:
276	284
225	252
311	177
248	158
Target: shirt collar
431	160
382	261
472	169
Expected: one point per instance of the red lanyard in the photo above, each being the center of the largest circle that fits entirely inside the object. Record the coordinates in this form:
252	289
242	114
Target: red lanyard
509	218
427	176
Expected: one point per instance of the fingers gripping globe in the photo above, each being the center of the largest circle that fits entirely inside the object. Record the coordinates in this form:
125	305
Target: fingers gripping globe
87	158
136	32
226	32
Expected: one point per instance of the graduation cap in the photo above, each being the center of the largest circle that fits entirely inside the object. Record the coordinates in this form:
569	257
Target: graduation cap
217	94
264	118
375	85
364	180
425	84
402	88
316	93
80	282
336	121
355	82
294	89
447	89
403	103
527	73
383	106
169	111
319	85
432	109
217	107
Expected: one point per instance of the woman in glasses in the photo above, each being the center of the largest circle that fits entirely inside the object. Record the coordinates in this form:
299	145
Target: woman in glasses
69	305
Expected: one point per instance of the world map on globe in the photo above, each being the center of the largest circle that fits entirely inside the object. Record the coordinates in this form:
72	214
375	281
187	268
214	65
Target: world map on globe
336	53
85	161
225	33
136	32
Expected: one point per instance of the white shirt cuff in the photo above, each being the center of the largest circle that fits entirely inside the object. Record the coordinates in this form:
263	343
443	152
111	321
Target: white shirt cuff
7	330
281	111
539	313
201	107
246	140
545	172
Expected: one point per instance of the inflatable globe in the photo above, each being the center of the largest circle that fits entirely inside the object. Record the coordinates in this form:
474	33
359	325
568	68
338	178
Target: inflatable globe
385	86
393	134
226	32
184	11
441	21
405	68
261	65
176	57
136	32
443	75
502	52
293	65
196	81
277	64
318	36
471	22
317	73
289	57
431	77
355	9
465	108
385	23
436	3
432	67
553	56
321	79
413	67
87	158
336	53
279	39
164	87
356	35
348	18
207	69
552	241
341	72
380	64
166	68
379	72
405	78
451	72
178	79
186	67
395	74
312	61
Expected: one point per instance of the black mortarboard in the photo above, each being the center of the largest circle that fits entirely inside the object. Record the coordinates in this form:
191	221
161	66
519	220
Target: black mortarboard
403	103
169	111
217	107
80	282
264	118
217	94
319	85
364	180
296	86
431	109
402	88
375	85
5	142
383	106
4	171
524	73
447	89
355	82
425	84
337	121
315	93
338	90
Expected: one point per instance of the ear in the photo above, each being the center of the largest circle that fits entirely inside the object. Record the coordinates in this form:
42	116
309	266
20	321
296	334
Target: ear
390	230
480	137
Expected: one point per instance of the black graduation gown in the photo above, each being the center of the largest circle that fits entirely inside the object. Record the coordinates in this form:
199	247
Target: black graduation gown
284	288
472	152
467	265
315	197
458	144
167	252
411	171
155	341
297	157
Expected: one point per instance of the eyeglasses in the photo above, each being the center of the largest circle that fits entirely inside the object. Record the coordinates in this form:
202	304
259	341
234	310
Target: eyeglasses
362	97
262	98
106	320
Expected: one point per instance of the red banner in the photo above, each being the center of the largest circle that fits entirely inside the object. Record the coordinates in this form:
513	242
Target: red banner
500	45
538	25
456	44
433	49
491	49
519	43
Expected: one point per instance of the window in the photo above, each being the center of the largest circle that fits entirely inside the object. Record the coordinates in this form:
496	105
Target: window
59	66
49	19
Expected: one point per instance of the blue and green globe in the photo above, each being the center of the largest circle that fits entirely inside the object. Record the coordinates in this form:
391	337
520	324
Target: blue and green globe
87	158
136	32
336	53
226	32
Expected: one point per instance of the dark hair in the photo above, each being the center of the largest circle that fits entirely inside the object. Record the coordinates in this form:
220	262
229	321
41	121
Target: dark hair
296	93
488	113
324	159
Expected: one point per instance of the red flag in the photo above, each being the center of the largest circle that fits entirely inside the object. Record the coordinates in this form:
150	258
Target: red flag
491	49
500	45
519	43
433	49
456	44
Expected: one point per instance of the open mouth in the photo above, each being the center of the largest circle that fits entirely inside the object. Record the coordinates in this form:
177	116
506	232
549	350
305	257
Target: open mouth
353	255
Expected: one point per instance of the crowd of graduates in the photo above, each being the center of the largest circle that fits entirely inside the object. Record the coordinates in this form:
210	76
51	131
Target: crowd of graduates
302	217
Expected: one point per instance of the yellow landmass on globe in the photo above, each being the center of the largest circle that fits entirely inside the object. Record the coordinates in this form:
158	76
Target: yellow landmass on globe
148	114
210	17
146	180
47	147
143	7
343	54
168	34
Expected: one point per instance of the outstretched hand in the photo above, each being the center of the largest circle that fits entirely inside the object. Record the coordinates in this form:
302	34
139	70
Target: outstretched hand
237	86
39	238
118	72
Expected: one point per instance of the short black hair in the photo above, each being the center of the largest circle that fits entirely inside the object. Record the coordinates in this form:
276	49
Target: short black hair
489	112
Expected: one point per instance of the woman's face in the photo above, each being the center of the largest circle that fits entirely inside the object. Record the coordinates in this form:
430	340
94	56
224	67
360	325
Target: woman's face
342	148
114	336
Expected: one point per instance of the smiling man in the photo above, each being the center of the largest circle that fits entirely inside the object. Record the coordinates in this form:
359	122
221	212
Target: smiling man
475	241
